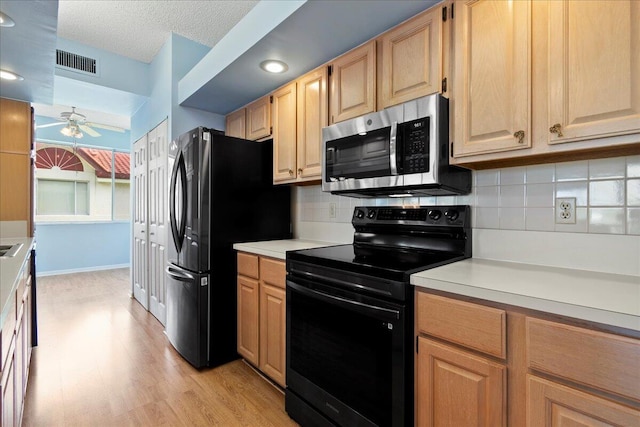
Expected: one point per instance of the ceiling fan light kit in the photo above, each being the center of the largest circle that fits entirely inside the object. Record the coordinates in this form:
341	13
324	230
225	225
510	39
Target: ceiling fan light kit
75	124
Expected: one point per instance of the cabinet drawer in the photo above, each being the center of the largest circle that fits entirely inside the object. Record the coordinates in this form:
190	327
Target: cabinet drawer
471	325
273	272
248	265
593	358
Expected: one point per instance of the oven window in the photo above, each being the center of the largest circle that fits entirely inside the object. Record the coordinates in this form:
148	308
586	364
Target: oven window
347	354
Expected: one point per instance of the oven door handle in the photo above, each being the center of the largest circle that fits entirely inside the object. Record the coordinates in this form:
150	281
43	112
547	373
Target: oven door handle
359	307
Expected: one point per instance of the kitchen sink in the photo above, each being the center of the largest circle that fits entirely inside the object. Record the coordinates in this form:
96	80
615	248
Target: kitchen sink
9	250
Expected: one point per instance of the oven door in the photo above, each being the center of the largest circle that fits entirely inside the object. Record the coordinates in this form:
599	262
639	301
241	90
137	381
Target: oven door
346	357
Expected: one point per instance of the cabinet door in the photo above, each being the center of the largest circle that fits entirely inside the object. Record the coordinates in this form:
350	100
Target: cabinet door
158	145
594	69
555	405
9	389
15	184
284	134
236	124
312	117
492	76
15	126
353	80
248	300
411	59
140	257
456	388
272	332
258	124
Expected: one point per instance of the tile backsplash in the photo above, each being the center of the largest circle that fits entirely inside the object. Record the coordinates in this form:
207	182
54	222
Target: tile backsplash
607	193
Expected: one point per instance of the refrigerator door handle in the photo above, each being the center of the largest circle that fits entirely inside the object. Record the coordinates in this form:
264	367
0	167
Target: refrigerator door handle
178	235
180	275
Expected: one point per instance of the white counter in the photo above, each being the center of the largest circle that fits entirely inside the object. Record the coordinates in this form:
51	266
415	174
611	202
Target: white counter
611	299
278	248
10	268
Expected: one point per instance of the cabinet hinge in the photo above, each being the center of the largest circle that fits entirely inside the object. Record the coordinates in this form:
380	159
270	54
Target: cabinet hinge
444	85
444	14
271	130
451	152
417	344
451	10
271	99
330	70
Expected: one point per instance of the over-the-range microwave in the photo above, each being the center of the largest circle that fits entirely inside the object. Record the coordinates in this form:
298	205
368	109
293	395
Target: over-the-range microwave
401	151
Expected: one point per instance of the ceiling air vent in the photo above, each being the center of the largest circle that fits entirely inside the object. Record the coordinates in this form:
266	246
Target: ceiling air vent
73	62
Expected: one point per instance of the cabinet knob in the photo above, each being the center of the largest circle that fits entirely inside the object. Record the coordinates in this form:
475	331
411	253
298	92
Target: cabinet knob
520	136
299	171
557	129
290	172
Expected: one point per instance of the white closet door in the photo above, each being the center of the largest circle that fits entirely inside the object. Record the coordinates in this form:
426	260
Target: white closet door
140	257
158	208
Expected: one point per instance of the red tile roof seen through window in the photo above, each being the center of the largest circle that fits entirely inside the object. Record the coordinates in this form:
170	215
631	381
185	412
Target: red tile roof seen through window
100	160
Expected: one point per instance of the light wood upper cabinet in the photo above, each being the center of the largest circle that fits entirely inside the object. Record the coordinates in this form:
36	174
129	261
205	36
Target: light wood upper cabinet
594	69
353	83
299	114
312	111
284	133
16	170
411	59
258	121
236	124
492	76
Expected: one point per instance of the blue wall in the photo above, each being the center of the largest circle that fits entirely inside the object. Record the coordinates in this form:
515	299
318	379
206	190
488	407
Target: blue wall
176	57
71	247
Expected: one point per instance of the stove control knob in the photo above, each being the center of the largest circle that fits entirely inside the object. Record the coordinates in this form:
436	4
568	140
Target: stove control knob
452	214
359	214
435	214
371	213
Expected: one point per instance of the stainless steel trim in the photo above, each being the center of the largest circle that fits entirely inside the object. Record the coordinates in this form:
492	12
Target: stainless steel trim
392	148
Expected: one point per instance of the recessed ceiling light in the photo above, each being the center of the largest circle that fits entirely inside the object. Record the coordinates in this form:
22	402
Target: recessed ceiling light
274	66
6	21
8	75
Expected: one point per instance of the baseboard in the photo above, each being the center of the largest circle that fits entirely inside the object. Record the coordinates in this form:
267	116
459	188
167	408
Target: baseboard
81	270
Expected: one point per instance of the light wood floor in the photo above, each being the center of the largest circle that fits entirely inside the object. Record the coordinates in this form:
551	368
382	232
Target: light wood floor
102	360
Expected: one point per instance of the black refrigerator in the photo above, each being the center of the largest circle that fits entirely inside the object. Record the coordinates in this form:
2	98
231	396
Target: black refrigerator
220	193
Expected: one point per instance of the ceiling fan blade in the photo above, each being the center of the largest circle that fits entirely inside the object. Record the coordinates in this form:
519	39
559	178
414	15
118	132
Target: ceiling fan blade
48	125
88	130
107	127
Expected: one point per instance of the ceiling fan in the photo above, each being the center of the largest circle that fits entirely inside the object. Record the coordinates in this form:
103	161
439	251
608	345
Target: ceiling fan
75	123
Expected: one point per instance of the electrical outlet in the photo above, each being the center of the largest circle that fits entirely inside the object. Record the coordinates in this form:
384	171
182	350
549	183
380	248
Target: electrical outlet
332	210
566	210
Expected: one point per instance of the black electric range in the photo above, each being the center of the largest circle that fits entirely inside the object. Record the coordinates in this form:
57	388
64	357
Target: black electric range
350	314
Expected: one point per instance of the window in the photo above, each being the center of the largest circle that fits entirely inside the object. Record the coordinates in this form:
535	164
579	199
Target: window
81	183
62	197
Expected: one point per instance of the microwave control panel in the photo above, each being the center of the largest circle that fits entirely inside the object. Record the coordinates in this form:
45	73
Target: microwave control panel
415	146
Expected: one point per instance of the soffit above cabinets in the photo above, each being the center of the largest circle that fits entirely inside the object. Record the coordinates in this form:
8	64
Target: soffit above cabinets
311	34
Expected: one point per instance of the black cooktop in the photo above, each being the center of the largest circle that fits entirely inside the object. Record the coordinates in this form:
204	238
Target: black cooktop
395	242
387	263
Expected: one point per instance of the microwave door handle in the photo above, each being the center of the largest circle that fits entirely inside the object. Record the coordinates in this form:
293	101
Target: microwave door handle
392	148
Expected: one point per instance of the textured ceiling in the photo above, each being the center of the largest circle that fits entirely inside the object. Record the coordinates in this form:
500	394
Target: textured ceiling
138	28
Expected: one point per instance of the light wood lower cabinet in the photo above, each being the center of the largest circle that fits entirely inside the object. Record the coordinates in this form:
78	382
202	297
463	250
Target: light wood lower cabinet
554	405
262	314
486	364
457	388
